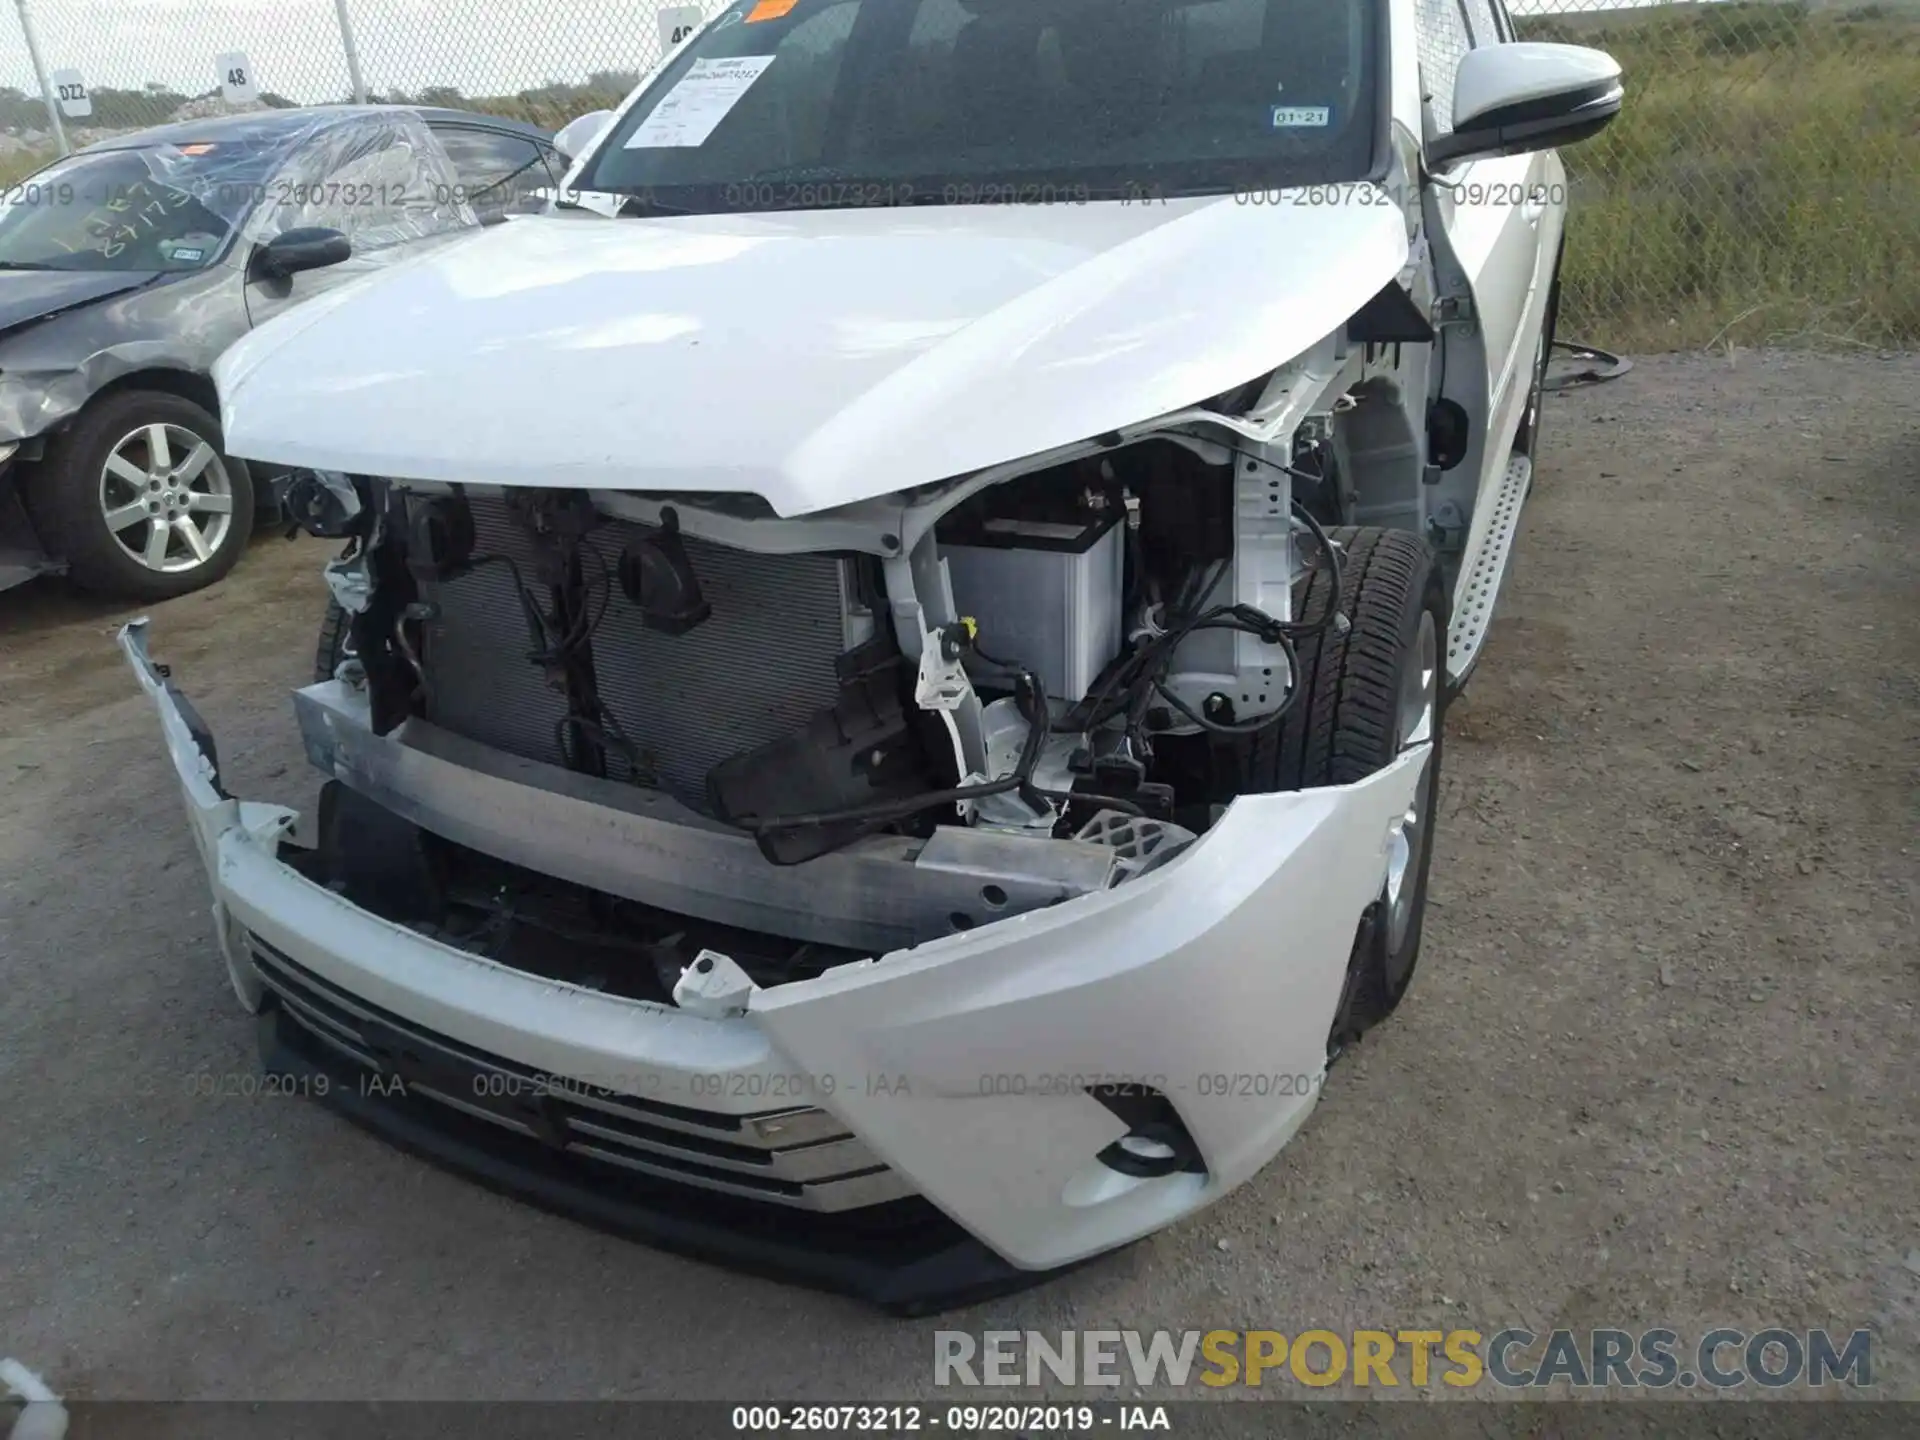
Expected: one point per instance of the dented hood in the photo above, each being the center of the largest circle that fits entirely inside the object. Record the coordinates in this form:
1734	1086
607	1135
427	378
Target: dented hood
30	295
814	359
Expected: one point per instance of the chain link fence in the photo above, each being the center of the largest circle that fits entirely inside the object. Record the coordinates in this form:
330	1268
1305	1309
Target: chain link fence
146	62
1762	186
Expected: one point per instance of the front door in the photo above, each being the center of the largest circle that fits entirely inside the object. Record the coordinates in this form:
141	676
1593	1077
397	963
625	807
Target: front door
383	183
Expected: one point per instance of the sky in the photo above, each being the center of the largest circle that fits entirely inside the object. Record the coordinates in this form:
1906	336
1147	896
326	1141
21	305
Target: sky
481	46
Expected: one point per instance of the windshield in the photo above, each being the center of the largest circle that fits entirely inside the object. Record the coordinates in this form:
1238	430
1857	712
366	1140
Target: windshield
785	104
156	208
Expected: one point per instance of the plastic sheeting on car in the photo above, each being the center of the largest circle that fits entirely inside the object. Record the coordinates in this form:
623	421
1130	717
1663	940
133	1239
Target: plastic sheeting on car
381	179
178	220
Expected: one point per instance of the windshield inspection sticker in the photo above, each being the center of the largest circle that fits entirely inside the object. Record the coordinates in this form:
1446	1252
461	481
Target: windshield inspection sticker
694	108
769	10
1302	117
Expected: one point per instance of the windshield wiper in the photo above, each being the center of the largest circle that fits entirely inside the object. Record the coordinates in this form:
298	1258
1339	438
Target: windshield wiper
26	265
642	206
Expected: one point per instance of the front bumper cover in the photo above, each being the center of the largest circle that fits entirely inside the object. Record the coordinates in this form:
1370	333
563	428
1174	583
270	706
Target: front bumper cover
960	1065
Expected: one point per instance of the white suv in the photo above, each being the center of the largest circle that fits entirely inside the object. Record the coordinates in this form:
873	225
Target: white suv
903	768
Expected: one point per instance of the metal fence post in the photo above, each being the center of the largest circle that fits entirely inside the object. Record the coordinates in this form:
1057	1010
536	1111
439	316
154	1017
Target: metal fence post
352	52
40	72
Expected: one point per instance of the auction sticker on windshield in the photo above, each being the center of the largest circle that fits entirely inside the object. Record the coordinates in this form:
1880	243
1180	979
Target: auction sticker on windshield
694	108
1300	117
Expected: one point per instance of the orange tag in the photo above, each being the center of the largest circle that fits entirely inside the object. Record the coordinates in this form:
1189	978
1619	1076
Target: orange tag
200	149
769	10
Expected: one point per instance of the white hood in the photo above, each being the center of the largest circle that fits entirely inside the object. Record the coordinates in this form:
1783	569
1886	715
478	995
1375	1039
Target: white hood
814	359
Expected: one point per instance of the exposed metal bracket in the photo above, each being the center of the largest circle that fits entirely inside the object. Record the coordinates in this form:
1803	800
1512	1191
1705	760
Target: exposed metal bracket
713	987
1139	844
880	894
1447	526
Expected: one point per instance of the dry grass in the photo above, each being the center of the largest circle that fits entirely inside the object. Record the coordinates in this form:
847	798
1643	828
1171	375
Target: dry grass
1759	197
14	167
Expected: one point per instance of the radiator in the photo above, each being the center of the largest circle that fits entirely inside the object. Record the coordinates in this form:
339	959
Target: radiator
480	682
760	666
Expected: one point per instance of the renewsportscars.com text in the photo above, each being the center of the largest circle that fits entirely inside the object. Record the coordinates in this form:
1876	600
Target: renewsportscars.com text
1512	1359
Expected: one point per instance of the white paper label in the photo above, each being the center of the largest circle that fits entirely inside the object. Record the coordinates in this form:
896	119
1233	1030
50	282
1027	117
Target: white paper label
677	22
1297	117
236	77
71	91
694	108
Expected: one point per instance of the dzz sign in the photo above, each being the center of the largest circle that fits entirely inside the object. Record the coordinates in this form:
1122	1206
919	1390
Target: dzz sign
71	91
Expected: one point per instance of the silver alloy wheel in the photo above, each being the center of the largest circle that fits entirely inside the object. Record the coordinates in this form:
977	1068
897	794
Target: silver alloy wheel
1413	725
166	498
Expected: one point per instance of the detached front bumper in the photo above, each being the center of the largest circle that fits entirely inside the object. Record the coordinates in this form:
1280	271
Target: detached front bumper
916	1128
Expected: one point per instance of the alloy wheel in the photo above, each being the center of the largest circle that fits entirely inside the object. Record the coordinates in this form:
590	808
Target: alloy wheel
166	498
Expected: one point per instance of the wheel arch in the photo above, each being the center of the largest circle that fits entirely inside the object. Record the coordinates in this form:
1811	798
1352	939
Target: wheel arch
58	497
173	380
191	385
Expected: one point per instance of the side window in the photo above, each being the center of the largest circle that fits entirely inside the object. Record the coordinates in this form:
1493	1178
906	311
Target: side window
1485	23
500	174
377	187
1443	40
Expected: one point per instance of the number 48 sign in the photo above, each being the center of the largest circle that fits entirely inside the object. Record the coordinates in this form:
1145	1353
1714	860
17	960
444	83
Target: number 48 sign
677	22
236	77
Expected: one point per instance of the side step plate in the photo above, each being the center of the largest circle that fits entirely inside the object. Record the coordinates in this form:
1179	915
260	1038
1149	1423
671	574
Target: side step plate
1479	590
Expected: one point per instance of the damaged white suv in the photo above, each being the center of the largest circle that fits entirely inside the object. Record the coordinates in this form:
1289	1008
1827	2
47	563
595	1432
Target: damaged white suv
889	706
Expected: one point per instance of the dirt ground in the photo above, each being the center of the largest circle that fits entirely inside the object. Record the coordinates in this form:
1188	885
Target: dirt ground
1659	1067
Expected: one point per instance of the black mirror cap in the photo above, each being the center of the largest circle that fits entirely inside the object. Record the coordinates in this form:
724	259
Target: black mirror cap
309	247
1545	123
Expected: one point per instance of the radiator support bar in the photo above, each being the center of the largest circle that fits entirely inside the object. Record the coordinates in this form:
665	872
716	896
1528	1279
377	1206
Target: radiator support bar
880	894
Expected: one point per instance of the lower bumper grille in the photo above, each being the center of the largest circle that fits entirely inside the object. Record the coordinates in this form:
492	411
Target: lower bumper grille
800	1157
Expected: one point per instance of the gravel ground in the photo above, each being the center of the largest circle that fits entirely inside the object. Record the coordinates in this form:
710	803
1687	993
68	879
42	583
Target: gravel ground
1659	1067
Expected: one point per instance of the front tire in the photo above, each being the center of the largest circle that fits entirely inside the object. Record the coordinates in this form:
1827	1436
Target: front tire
1526	440
1366	696
138	499
335	643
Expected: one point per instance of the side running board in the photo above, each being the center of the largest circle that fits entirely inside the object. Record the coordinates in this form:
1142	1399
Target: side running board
1485	575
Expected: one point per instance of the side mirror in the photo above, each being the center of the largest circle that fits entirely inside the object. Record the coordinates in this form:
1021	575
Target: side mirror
1517	98
310	247
579	136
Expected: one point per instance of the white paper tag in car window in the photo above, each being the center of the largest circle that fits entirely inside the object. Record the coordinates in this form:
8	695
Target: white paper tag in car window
694	108
75	103
1302	117
677	22
236	77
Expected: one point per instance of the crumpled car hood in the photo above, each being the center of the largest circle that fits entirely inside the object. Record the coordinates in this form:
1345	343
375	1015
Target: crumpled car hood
814	359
